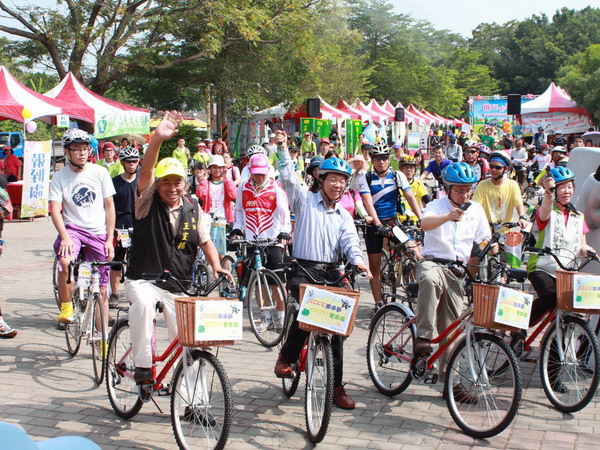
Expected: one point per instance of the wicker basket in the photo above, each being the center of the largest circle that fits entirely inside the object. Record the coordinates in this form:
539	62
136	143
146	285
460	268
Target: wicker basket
185	310
564	292
484	307
335	290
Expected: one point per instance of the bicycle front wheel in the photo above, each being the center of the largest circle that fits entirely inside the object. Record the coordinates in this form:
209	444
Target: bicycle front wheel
74	329
390	350
98	339
319	387
571	382
201	405
265	292
55	281
123	393
200	275
483	385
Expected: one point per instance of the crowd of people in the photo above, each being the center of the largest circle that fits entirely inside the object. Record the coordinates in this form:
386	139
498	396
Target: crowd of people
306	193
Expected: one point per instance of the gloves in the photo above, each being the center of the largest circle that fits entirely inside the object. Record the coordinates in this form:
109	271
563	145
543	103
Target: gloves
382	230
283	236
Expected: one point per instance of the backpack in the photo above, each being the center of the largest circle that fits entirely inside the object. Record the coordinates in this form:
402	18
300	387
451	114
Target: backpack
399	205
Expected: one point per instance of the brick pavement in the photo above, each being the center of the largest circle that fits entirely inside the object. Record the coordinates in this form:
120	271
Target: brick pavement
50	394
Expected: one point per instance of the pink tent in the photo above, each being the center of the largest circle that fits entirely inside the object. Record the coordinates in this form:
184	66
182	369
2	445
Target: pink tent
352	112
86	105
374	106
375	117
555	99
408	116
15	99
329	112
416	112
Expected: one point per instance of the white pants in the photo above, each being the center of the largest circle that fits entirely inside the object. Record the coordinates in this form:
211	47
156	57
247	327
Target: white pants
143	296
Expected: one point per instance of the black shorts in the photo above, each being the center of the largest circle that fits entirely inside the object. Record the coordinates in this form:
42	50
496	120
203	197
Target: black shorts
373	240
272	260
120	254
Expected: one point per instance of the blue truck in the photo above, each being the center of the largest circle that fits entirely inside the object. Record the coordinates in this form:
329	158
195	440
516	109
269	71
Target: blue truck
12	139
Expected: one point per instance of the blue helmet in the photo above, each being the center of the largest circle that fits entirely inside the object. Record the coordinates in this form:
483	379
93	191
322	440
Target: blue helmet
562	174
335	165
459	173
315	162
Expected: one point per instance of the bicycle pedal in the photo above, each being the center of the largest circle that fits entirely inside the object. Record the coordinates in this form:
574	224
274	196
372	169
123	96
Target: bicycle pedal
431	378
164	391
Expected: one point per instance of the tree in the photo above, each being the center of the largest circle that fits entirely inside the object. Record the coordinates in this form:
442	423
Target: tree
582	80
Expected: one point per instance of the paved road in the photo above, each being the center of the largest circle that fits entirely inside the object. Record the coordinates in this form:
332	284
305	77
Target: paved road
50	394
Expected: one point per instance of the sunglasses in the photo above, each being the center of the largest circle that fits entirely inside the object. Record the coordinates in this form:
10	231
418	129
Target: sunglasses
496	167
380	158
470	152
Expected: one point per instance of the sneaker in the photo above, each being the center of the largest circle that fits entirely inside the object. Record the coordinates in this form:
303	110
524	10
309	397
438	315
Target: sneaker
6	332
66	313
113	301
422	345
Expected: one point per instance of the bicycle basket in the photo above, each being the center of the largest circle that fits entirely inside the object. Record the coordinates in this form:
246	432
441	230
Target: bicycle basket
564	292
484	307
185	311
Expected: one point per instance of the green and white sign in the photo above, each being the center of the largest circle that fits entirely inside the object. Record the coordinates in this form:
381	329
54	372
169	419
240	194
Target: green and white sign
513	308
354	128
320	126
126	122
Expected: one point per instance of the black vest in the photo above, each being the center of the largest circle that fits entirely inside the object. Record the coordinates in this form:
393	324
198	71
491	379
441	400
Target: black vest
155	248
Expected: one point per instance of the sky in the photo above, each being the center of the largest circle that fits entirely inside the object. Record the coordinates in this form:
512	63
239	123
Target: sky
462	16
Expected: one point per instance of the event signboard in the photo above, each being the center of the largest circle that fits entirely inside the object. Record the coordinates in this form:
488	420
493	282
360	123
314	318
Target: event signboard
353	130
117	123
218	320
491	112
563	122
320	126
36	178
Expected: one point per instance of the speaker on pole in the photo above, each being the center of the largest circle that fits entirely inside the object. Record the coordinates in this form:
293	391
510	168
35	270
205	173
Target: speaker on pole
399	115
513	104
313	107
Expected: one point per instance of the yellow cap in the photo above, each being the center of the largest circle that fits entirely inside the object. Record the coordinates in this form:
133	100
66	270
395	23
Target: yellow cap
169	166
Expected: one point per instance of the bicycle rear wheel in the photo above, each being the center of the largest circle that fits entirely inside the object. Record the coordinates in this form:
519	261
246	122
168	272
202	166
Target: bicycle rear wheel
570	383
263	290
201	405
387	274
483	385
55	281
201	274
98	339
74	329
120	385
318	400
389	352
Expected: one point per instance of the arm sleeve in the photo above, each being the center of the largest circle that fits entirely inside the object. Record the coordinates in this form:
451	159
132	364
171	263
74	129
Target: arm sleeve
238	212
404	184
349	241
291	184
55	190
283	212
362	185
483	232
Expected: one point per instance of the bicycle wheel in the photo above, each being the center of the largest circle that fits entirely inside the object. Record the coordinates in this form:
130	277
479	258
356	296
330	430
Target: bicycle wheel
387	274
570	383
201	274
74	329
98	339
483	385
264	287
201	405
318	400
289	385
389	352
408	272
55	281
120	385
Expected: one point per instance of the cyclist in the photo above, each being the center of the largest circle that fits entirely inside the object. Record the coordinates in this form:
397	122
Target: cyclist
500	196
311	173
83	213
560	227
450	232
471	157
380	190
438	164
253	150
262	212
324	230
408	165
125	188
168	231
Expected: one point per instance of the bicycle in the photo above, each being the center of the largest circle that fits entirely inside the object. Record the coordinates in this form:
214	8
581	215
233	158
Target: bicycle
201	404
261	290
483	386
89	316
399	262
316	360
569	350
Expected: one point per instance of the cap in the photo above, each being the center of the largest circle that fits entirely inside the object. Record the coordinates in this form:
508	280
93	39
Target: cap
109	146
357	158
169	166
201	144
259	164
396	146
325	140
216	160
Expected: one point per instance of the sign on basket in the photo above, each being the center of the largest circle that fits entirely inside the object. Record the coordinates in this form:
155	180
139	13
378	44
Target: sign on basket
513	308
218	320
326	310
586	291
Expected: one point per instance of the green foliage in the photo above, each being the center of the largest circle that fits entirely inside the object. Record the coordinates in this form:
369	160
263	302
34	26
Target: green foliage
189	133
582	80
44	132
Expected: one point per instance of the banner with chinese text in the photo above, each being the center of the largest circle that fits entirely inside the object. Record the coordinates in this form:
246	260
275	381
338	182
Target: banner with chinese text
320	126
513	308
586	291
218	320
36	178
354	128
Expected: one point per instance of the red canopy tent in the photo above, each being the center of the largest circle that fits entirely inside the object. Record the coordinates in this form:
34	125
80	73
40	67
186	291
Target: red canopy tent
414	111
18	102
555	99
83	104
352	112
376	107
360	106
408	116
331	112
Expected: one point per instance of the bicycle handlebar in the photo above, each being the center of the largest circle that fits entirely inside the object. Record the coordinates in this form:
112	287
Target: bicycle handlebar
255	242
167	276
591	256
352	270
73	264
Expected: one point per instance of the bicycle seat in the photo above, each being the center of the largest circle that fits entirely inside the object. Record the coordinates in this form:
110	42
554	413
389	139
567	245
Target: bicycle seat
412	289
159	307
519	275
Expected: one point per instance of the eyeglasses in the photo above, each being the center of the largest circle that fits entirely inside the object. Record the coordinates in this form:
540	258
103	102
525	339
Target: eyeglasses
470	152
380	158
336	182
496	167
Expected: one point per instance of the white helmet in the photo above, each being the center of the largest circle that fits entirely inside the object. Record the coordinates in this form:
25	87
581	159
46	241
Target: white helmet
254	149
75	136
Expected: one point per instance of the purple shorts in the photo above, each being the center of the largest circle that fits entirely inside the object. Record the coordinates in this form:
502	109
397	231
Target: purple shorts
93	251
